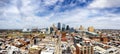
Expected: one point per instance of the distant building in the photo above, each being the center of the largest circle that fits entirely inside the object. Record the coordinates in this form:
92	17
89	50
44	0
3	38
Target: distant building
35	30
67	27
59	26
26	30
51	30
54	27
81	27
72	30
63	27
91	29
104	39
43	30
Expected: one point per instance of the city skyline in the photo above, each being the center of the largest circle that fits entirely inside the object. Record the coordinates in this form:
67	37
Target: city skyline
102	14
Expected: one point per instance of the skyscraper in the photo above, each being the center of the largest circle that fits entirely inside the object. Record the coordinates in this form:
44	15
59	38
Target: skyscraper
59	26
63	27
67	27
51	29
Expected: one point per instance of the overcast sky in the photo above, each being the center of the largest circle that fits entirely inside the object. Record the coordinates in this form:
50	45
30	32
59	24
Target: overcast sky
102	14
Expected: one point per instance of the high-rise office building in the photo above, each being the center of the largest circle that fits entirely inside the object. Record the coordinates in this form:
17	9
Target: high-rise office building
51	30
63	27
67	27
59	26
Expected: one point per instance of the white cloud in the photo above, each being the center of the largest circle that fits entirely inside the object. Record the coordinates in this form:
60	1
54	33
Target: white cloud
104	4
50	2
22	17
25	15
79	17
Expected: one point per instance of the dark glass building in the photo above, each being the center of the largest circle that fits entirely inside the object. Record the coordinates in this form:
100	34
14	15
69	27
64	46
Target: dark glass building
51	29
67	27
63	27
59	26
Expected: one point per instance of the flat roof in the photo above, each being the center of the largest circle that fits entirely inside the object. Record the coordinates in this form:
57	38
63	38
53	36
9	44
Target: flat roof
100	49
78	45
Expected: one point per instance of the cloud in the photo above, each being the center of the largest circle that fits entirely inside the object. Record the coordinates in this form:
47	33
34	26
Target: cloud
37	13
87	17
49	2
104	4
21	15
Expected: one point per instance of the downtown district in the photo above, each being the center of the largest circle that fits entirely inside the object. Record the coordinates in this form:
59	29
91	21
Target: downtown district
60	39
